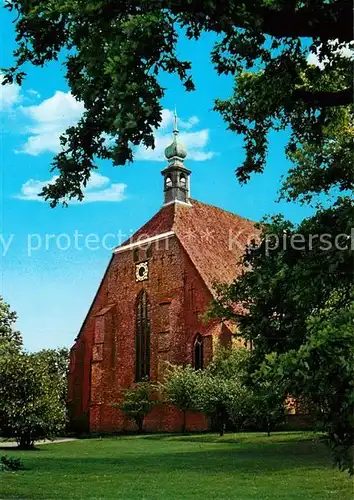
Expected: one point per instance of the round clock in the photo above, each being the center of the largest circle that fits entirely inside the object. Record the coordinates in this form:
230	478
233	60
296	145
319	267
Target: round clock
142	271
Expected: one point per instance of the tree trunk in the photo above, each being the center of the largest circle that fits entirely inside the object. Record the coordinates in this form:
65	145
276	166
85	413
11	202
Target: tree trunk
140	423
184	422
25	442
221	424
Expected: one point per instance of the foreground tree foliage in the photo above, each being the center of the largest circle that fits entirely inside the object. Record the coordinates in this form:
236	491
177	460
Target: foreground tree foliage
32	387
57	363
298	290
31	399
221	392
10	339
292	272
322	371
114	53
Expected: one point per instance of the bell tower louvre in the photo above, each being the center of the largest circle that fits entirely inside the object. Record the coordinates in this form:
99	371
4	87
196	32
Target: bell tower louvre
149	306
176	175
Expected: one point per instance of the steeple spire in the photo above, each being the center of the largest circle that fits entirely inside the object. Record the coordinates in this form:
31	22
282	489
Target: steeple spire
176	174
177	150
175	130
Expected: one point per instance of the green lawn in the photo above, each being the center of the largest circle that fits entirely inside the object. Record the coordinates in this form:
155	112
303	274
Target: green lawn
285	466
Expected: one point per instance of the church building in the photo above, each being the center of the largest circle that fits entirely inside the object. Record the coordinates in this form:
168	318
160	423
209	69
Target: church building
151	303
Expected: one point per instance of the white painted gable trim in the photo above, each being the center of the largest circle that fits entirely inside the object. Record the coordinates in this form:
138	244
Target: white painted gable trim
144	242
186	204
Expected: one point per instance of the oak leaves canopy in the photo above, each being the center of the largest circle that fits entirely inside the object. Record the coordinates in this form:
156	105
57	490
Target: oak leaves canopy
115	51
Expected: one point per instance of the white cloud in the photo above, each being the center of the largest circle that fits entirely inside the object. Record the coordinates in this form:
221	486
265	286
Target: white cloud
9	95
168	117
193	120
99	188
49	120
196	141
346	51
34	93
53	116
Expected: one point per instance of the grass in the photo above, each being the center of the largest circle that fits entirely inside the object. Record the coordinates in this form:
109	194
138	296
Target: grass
285	466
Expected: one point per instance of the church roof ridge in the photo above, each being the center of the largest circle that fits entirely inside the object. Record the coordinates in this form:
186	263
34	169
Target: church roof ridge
165	219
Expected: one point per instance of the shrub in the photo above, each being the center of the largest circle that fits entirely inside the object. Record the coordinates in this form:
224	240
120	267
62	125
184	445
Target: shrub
269	407
31	395
10	464
138	402
181	387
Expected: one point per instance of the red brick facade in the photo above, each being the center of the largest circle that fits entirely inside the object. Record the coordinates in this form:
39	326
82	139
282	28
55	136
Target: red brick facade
179	291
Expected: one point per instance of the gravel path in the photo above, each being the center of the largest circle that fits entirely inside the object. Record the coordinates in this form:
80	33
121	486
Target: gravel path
13	444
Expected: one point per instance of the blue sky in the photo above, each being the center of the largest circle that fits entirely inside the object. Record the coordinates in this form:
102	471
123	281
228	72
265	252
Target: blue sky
51	288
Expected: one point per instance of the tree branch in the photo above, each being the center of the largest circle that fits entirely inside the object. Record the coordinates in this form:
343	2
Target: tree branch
328	23
324	99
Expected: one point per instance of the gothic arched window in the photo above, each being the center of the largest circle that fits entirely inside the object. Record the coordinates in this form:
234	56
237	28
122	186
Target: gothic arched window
198	353
168	182
142	343
182	181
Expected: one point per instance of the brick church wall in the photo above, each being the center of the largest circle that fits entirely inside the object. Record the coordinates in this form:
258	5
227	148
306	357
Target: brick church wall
104	354
79	379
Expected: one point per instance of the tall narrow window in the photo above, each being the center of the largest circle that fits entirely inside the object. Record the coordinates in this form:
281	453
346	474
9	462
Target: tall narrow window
136	255
198	352
149	252
142	370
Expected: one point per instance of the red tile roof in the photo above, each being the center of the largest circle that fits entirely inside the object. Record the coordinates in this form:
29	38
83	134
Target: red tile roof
213	238
160	223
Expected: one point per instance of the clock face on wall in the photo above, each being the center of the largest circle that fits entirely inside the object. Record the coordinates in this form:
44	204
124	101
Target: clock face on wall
142	271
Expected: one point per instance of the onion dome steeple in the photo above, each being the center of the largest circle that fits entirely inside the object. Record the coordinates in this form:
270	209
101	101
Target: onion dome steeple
176	149
176	175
